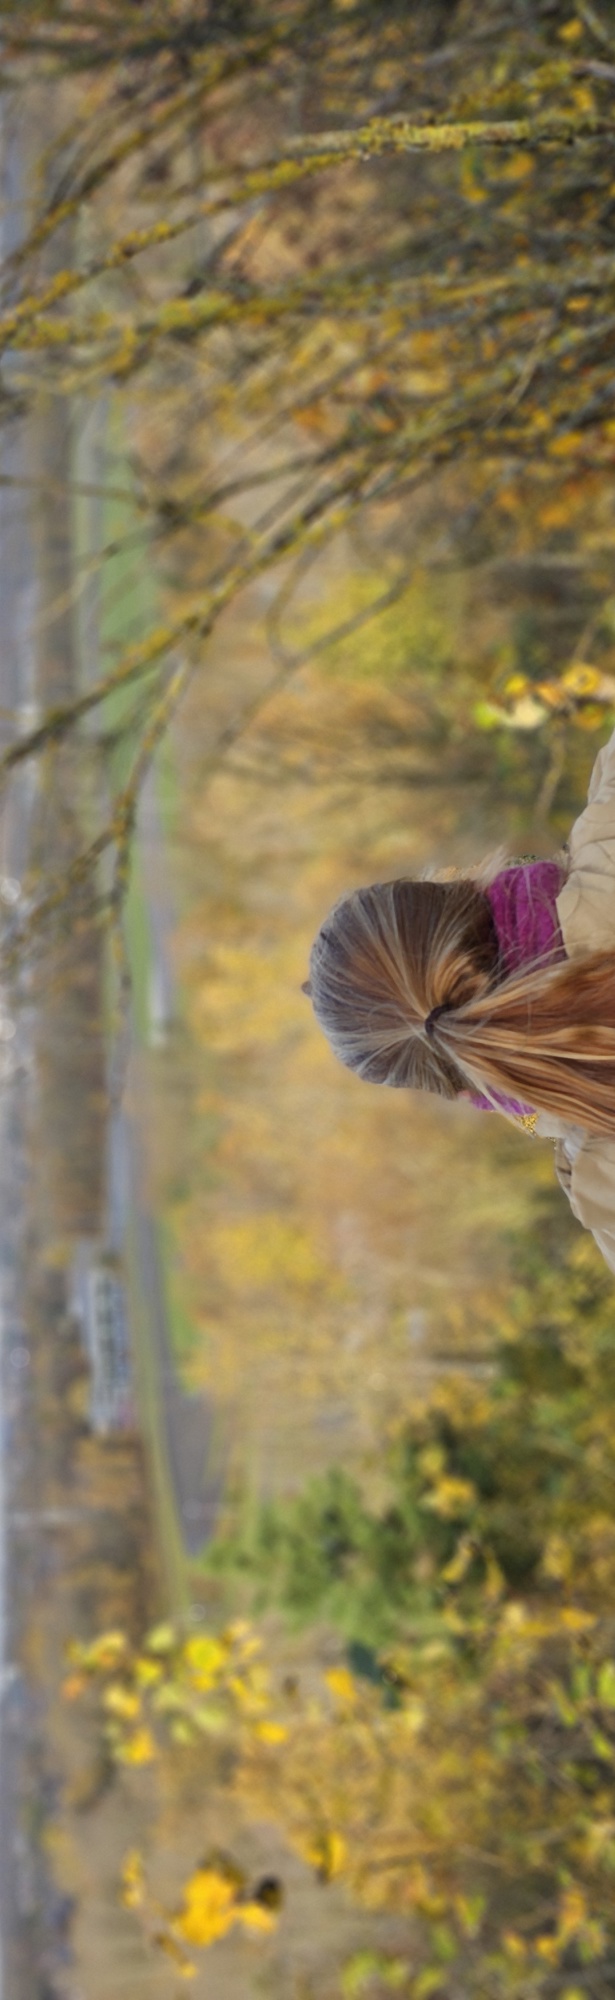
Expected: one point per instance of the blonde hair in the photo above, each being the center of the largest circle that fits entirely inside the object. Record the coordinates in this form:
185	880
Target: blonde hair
406	981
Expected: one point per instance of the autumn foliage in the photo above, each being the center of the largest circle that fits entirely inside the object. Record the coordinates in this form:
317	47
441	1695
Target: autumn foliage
375	251
341	278
460	1774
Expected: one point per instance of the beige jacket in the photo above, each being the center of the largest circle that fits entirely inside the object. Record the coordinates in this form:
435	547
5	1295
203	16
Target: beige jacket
585	1163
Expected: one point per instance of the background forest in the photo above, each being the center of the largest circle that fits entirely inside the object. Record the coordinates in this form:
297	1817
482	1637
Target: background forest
307	322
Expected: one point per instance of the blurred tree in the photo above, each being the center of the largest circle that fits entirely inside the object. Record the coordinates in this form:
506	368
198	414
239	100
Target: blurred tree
377	248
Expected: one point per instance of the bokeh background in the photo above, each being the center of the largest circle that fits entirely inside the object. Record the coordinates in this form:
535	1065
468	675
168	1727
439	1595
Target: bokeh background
308	1389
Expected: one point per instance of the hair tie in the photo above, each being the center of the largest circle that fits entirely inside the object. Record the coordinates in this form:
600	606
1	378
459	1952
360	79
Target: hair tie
430	1023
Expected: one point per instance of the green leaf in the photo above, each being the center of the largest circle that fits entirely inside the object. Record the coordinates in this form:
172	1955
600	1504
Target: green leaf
485	715
161	1640
180	1731
428	1982
601	1745
469	1910
357	1973
367	1965
444	1943
565	1708
606	1684
210	1718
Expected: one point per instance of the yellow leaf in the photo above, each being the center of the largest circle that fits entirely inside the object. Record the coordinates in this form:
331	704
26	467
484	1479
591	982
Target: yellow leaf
573	1913
248	1696
413	1716
494	1581
327	1853
106	1651
341	1684
133	1879
450	1497
556	514
582	679
583	98
556	1559
139	1748
571	31
516	685
575	1620
514	1945
256	1917
552	693
206	1658
589	718
547	1947
518	167
271	1732
161	1640
565	445
431	1461
209	1907
121	1701
147	1672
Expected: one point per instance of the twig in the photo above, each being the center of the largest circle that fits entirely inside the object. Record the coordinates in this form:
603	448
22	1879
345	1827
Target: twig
593	22
554	772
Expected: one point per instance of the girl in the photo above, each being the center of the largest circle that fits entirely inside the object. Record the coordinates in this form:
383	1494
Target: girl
498	986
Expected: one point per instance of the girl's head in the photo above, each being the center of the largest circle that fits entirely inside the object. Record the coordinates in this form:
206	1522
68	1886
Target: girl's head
384	960
406	981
